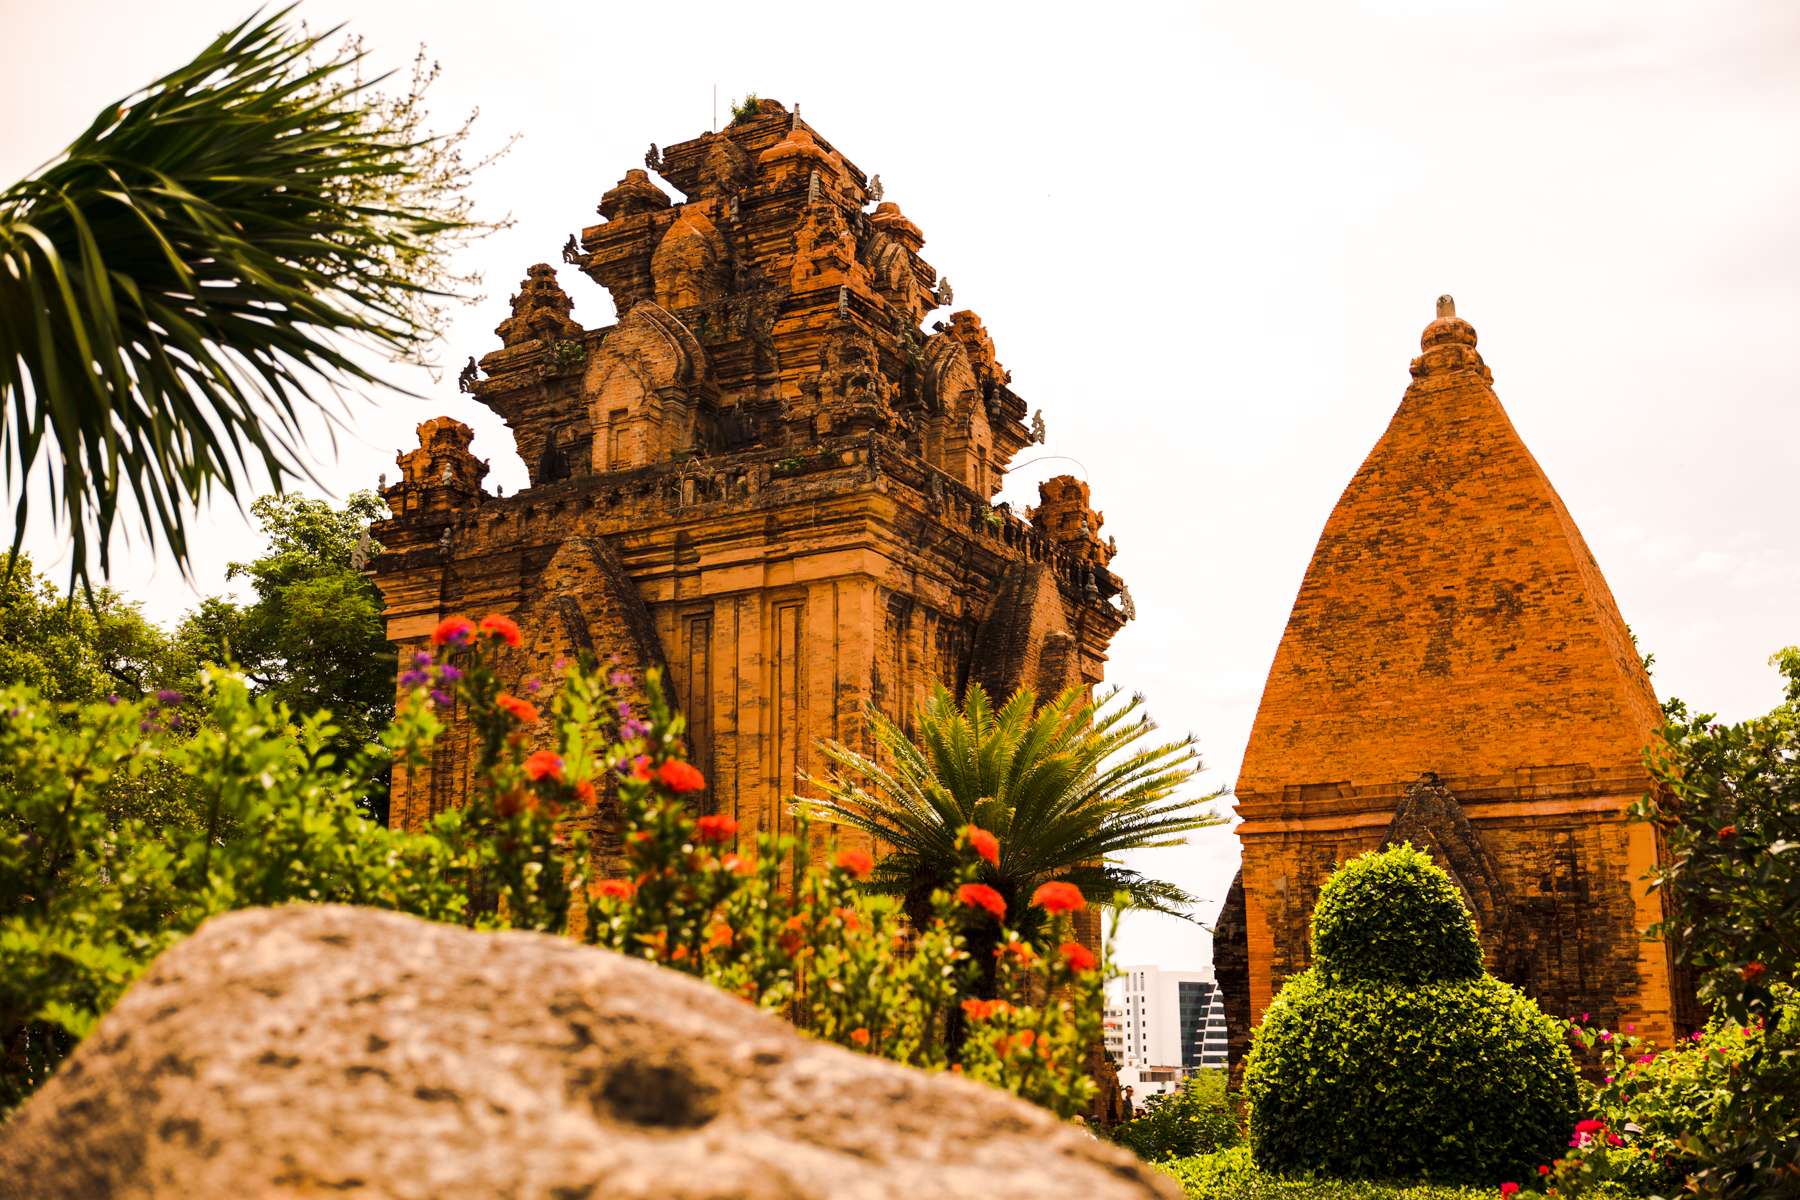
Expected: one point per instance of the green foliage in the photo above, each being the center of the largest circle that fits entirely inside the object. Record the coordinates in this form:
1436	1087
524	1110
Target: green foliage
1393	917
790	929
1232	1175
743	110
180	283
1194	1119
74	653
1066	787
1460	1080
314	636
1727	807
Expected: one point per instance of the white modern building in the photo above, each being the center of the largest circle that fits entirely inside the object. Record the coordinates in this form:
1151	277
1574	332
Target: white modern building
1161	1024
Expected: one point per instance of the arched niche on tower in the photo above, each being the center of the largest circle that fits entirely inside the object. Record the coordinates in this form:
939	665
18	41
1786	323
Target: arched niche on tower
956	434
645	388
691	265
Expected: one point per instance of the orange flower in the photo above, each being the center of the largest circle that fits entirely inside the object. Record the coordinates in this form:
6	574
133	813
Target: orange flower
1752	972
984	844
678	776
522	711
1058	897
1078	956
1026	1038
715	828
860	1036
1729	831
495	625
848	917
738	866
612	889
980	895
1018	950
640	767
453	631
980	1010
544	764
857	862
1003	1045
584	792
719	935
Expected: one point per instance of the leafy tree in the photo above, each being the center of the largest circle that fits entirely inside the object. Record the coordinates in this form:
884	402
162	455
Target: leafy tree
181	283
1195	1118
1728	809
313	638
1064	787
73	653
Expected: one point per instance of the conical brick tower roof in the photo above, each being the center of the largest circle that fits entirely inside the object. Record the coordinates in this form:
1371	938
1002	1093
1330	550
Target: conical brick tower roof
1452	619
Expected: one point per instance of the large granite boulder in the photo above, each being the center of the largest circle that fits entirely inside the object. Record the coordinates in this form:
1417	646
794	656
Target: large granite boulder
341	1051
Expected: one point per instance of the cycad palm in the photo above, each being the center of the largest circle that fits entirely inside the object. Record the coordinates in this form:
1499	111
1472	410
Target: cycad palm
1066	787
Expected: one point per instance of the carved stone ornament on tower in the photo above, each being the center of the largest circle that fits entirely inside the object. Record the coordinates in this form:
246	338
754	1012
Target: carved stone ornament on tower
764	476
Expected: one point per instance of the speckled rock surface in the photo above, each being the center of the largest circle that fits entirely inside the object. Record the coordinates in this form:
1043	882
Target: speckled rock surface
311	1051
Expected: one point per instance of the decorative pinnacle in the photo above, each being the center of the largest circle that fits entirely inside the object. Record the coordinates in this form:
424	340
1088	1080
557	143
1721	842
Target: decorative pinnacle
1446	306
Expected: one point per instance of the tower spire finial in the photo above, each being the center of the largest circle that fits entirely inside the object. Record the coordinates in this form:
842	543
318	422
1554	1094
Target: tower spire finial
1446	306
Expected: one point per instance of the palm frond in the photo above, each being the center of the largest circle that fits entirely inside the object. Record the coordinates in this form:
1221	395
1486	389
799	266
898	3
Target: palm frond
192	278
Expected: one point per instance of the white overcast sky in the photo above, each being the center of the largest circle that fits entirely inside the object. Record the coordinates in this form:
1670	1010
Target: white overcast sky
1205	238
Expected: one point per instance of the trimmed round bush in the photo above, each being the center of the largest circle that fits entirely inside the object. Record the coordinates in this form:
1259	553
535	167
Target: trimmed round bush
1364	1070
1394	917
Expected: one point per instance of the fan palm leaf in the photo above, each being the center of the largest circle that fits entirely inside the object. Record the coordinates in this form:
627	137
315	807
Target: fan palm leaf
197	272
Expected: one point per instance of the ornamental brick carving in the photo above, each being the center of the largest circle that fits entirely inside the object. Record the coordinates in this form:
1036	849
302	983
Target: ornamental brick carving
765	476
1455	672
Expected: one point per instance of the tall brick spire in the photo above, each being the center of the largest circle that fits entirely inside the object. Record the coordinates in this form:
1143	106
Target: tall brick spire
1455	671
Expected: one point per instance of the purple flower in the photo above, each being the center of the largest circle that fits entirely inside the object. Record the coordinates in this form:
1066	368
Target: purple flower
440	697
633	729
532	685
112	698
620	679
174	721
624	710
449	673
144	726
169	696
560	663
422	659
413	678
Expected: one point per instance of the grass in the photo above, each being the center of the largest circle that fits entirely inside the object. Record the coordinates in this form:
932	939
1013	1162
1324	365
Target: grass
1230	1175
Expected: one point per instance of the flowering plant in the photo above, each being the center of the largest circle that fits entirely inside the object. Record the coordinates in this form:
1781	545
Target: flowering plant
781	919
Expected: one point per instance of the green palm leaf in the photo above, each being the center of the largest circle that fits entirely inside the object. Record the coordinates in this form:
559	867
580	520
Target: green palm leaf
1066	787
193	276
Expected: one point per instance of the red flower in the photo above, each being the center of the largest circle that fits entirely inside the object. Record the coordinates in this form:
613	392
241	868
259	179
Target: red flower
678	776
1509	1189
522	711
860	1036
584	792
857	862
1752	972
1728	831
980	895
980	1010
1613	1139
1544	1170
1589	1126
640	767
984	844
452	631
716	828
848	917
1078	956
1058	897
544	764
613	889
495	625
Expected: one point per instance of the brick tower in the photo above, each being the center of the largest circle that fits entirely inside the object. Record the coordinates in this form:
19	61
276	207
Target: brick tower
1456	674
767	477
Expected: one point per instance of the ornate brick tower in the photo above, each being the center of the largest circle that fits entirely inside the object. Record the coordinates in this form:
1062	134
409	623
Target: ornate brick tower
766	477
1456	673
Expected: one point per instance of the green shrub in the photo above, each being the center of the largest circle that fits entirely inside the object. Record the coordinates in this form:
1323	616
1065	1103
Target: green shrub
1394	917
1194	1119
1232	1175
1457	1080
